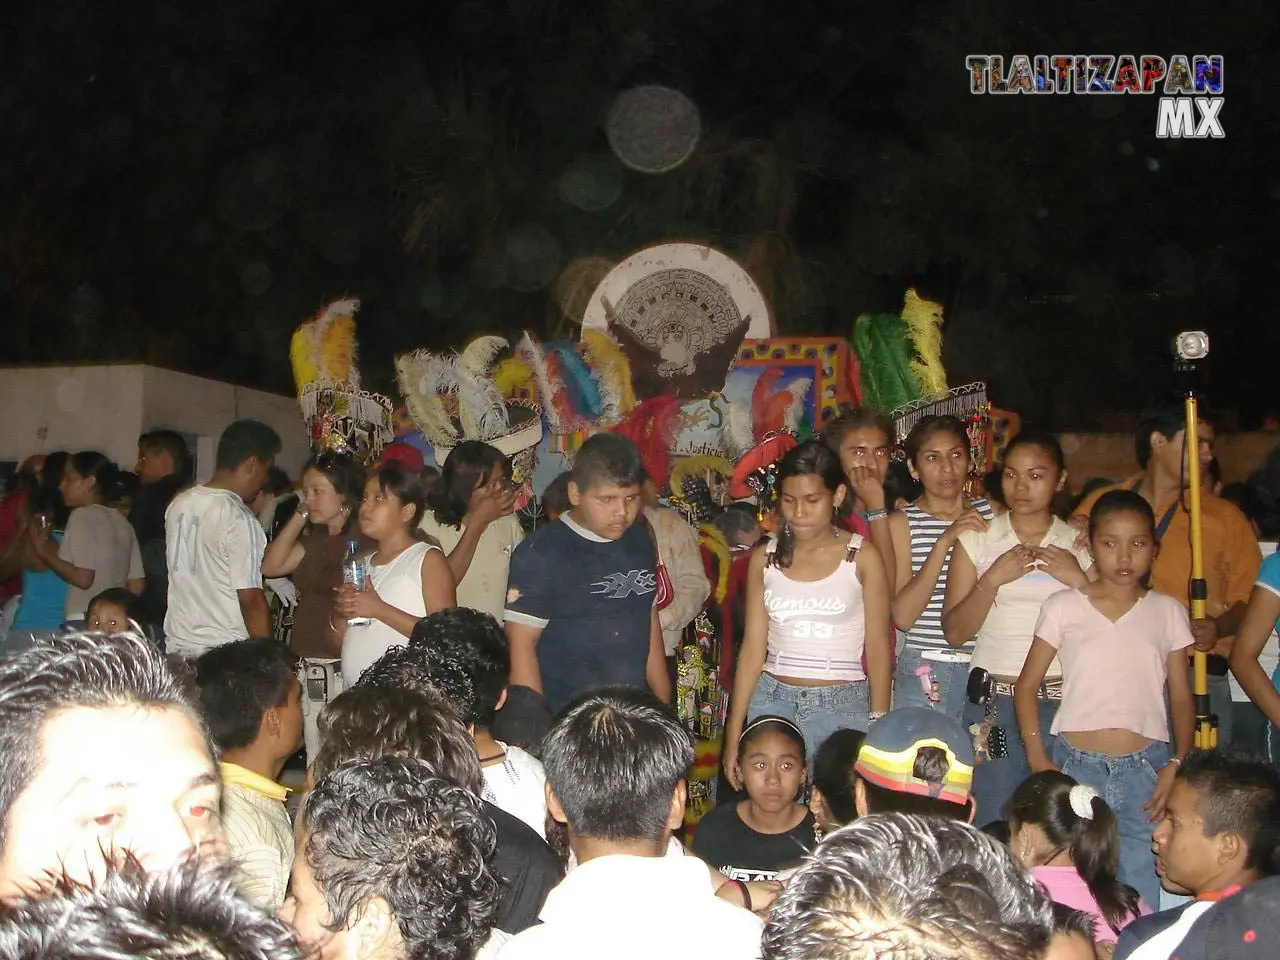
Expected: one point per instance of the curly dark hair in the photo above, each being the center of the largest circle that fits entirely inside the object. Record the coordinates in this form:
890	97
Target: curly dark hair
913	888
370	721
389	828
468	657
191	912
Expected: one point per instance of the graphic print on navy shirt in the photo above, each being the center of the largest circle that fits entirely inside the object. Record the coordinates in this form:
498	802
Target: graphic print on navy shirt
593	601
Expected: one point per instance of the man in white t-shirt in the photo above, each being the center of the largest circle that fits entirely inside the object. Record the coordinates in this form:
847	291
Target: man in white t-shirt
214	546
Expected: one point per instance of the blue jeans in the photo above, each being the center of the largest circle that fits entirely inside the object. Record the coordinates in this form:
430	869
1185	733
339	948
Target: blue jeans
817	711
995	780
1125	782
951	678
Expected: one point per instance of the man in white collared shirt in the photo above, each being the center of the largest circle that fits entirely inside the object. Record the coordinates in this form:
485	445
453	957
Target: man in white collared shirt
625	899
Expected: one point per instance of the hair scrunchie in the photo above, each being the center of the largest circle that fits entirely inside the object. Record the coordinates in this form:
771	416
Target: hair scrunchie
1081	798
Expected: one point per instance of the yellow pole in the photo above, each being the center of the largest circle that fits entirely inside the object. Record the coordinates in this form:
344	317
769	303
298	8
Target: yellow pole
1206	731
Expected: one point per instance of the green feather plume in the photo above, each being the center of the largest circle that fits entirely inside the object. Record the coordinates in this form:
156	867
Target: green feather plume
884	348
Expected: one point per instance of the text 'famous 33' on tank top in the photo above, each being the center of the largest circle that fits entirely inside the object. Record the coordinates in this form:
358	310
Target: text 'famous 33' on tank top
817	629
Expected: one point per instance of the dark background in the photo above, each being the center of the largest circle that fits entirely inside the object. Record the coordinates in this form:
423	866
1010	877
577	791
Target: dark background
184	183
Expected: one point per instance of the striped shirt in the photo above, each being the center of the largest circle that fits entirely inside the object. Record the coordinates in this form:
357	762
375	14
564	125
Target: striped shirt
259	834
925	531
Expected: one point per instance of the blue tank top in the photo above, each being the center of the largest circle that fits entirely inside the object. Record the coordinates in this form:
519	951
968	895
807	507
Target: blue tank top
44	595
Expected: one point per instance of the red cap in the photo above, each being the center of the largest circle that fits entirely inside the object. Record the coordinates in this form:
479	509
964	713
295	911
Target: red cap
404	456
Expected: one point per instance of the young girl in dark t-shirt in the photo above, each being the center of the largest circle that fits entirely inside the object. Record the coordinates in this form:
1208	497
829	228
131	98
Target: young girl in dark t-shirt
771	830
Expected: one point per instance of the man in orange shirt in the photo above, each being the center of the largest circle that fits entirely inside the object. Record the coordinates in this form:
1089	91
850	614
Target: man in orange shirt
1231	554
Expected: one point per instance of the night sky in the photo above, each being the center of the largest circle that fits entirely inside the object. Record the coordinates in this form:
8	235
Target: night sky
185	182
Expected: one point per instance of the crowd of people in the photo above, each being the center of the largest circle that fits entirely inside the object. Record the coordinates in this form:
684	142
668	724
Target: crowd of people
496	762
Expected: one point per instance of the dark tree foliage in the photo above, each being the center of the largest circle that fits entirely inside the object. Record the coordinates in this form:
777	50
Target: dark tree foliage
184	182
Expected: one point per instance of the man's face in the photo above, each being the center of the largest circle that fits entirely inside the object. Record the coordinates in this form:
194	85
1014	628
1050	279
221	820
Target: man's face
1169	452
118	779
1186	860
865	447
307	912
153	465
604	508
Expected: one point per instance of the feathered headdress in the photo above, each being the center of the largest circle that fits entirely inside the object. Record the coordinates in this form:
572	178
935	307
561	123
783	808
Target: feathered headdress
454	397
339	415
969	404
651	426
884	350
771	410
924	323
612	371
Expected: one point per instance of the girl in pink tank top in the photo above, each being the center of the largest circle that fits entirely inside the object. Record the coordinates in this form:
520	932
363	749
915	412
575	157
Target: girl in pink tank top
817	610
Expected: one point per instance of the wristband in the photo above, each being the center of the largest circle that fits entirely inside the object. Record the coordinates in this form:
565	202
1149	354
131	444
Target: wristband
874	515
875	715
746	893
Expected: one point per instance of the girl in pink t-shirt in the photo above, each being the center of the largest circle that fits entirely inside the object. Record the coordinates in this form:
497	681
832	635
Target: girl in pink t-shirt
1122	650
1065	834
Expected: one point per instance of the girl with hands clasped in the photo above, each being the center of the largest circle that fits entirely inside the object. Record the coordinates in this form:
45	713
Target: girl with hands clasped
930	673
1122	648
408	579
817	601
998	580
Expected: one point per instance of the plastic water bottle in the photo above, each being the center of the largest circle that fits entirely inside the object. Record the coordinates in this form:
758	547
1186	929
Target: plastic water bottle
355	571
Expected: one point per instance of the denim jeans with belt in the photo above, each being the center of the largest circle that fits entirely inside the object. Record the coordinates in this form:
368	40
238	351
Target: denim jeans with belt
952	680
817	711
1125	782
994	780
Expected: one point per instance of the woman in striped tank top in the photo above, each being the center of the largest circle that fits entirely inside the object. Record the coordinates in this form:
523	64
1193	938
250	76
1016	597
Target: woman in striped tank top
930	673
816	647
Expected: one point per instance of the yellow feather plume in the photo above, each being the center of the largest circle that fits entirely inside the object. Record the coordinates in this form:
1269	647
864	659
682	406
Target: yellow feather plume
612	372
515	378
715	543
924	322
324	347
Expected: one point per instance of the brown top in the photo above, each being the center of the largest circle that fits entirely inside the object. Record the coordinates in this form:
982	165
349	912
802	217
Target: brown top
317	577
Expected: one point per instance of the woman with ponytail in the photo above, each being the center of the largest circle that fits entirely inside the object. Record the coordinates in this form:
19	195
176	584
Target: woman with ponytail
1065	834
817	600
99	550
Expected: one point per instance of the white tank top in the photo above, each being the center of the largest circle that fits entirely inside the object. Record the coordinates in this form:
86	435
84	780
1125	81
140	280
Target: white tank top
817	630
398	583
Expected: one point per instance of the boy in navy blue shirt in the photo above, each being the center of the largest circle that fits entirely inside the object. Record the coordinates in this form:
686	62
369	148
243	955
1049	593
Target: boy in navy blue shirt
580	610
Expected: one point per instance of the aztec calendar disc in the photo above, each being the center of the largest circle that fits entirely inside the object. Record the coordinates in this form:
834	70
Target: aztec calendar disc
679	293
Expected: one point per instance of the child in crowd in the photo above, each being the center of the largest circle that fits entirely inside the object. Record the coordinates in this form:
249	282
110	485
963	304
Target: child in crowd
1122	650
831	795
915	761
1072	935
930	673
1066	835
580	610
771	830
998	580
114	610
408	578
817	600
252	703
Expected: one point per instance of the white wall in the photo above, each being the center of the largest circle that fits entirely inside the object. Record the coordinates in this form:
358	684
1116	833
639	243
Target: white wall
202	408
106	407
71	408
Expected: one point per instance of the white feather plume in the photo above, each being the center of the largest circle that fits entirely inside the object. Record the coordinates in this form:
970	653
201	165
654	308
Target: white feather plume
799	389
736	433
